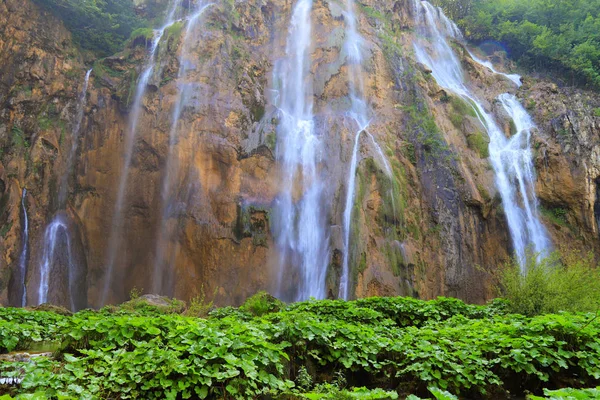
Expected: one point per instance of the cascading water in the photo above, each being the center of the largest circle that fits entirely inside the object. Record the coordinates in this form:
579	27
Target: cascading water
299	226
117	220
56	233
353	47
516	79
164	234
359	113
63	189
516	157
57	229
510	158
24	251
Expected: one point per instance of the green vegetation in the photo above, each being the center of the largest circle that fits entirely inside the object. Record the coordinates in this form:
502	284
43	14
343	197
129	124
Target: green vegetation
460	109
597	112
480	143
5	229
144	35
561	35
260	304
18	138
461	106
560	282
557	215
311	350
102	26
422	120
174	31
569	394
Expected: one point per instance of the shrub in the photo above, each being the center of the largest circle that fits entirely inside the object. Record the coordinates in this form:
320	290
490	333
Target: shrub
199	306
564	281
261	303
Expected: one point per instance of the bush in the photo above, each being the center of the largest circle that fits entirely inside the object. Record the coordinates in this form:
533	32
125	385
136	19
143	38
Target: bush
260	304
199	306
559	282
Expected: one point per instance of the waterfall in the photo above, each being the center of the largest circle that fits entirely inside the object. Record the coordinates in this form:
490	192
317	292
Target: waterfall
345	278
510	158
164	234
64	185
516	157
24	251
117	219
516	79
58	225
299	223
359	113
55	231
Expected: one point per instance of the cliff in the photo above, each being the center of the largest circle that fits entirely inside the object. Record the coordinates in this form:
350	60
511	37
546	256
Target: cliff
436	228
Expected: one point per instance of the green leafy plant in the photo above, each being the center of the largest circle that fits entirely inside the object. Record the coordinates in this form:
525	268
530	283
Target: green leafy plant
199	306
568	394
567	281
381	343
261	303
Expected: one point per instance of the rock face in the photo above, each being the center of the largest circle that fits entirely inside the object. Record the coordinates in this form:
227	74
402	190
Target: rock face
436	228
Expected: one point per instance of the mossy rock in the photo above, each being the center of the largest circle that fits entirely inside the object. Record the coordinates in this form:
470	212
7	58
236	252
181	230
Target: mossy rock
154	302
479	143
51	308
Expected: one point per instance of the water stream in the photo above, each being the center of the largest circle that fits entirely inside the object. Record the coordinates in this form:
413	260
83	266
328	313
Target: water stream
299	226
57	228
63	190
516	79
136	111
24	250
359	112
511	158
162	284
56	237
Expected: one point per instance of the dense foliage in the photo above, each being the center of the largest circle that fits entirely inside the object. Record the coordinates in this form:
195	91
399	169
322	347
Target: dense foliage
375	348
101	26
563	281
562	34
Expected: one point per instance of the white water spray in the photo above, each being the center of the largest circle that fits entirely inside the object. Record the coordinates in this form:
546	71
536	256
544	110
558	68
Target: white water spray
55	231
164	234
117	220
82	101
510	158
24	250
515	78
299	225
359	113
58	224
516	157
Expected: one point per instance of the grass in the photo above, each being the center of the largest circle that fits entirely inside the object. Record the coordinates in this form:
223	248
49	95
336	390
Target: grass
566	280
